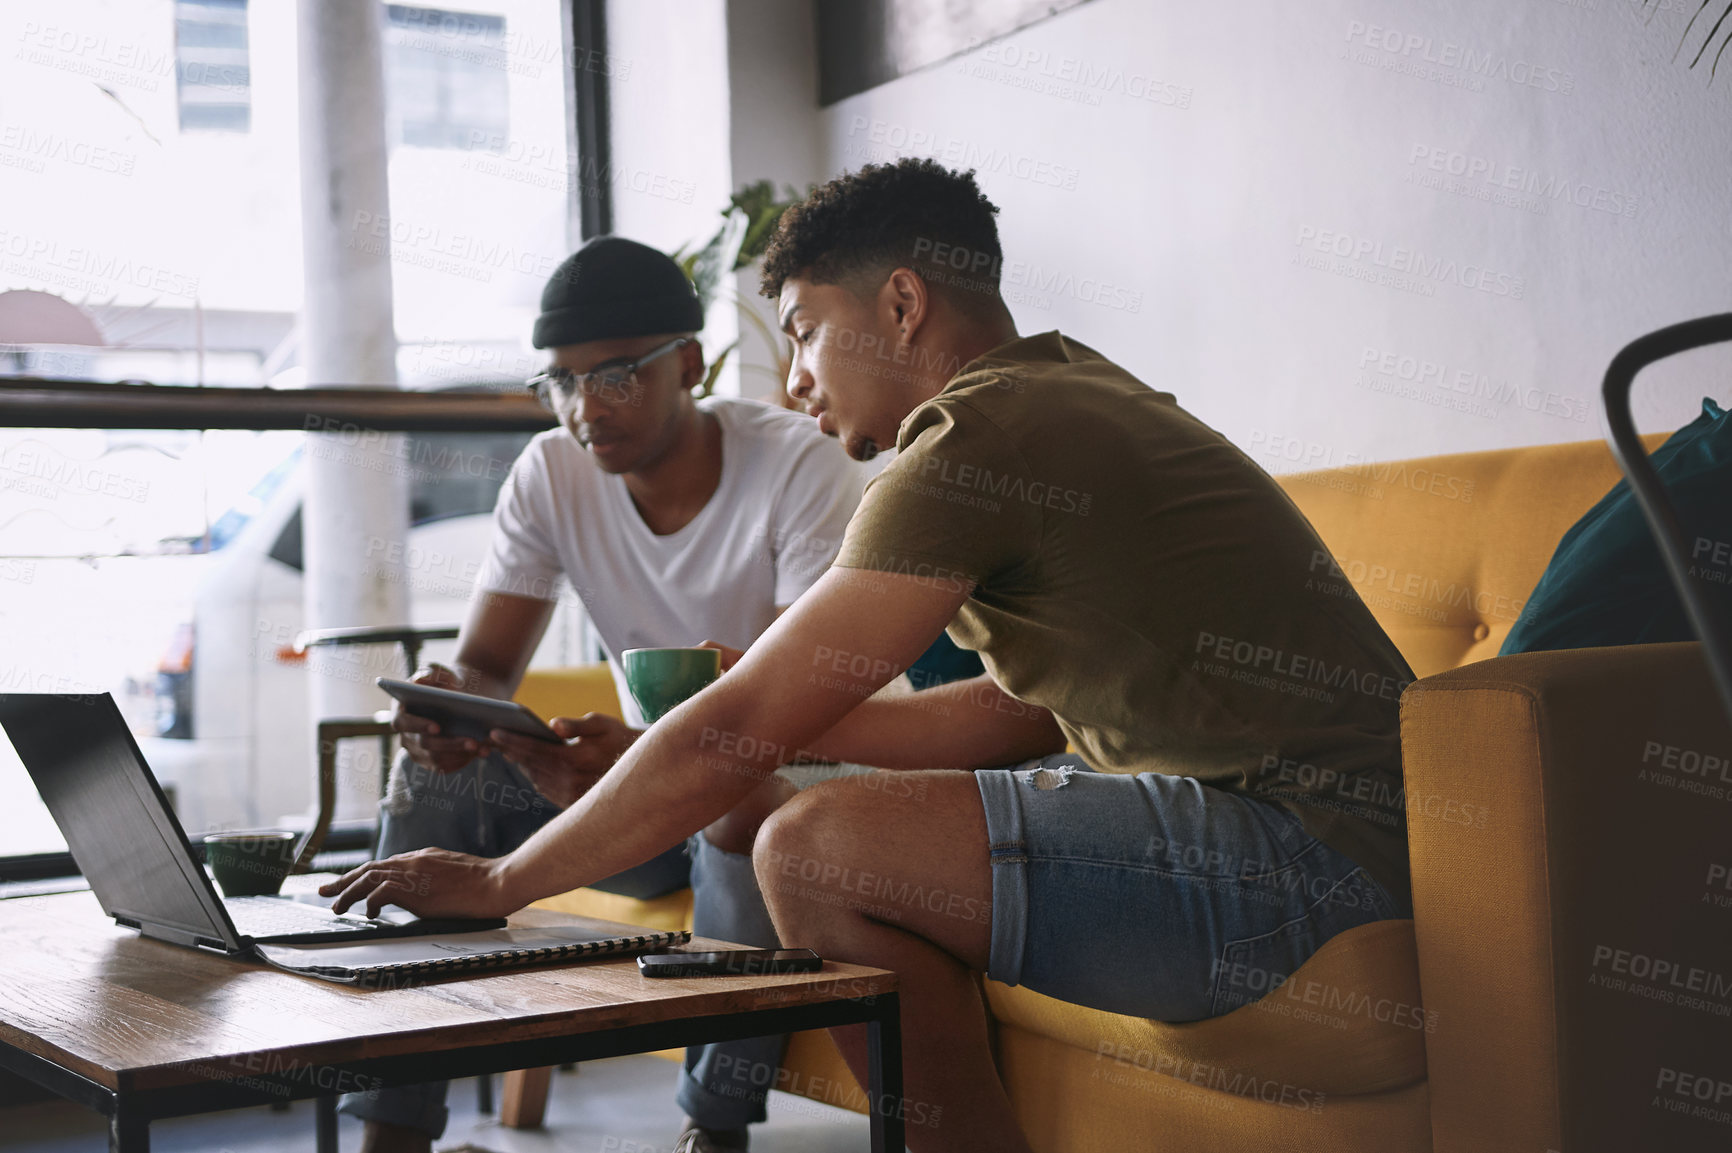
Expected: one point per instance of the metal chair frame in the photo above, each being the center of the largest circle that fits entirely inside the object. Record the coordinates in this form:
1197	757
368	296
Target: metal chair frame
1657	507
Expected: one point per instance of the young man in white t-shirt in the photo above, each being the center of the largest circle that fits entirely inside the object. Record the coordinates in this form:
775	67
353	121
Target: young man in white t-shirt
675	521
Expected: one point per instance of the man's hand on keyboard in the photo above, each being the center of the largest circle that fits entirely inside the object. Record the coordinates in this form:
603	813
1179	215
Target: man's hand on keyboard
427	882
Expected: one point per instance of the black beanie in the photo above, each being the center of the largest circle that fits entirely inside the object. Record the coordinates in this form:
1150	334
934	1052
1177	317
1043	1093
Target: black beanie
613	287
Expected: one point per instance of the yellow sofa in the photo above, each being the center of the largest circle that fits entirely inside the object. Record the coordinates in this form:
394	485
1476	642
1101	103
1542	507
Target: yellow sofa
1473	1027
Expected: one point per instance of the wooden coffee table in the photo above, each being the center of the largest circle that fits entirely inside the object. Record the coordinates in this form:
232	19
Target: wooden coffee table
138	1030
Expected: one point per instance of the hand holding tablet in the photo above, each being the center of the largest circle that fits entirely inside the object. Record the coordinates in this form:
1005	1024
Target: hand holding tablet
561	760
467	714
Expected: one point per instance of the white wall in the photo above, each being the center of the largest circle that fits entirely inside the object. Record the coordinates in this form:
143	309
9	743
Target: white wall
709	95
668	96
668	105
1196	160
776	135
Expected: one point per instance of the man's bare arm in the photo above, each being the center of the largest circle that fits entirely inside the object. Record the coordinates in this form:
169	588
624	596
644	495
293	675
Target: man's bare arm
499	636
702	758
969	724
697	762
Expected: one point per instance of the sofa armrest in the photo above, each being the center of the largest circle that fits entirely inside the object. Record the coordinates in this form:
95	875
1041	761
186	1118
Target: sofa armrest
1568	818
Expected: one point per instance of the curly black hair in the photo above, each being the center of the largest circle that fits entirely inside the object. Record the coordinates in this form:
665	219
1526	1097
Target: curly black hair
914	214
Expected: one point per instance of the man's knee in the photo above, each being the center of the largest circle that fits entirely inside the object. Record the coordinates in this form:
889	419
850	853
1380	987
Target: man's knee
803	837
736	831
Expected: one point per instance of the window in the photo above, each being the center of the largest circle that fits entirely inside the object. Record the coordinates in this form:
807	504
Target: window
212	76
164	567
451	474
444	77
459	473
110	581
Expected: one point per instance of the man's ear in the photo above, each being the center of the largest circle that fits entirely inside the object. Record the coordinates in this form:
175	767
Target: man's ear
691	364
906	302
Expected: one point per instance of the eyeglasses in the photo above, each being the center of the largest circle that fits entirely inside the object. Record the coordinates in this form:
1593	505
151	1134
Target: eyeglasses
616	384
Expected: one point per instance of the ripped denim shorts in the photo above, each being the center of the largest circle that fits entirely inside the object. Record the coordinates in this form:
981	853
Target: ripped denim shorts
1156	895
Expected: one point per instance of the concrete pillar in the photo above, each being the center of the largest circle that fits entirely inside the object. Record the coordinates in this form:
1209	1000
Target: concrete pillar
356	508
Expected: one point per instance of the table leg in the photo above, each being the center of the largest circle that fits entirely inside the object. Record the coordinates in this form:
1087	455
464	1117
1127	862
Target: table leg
884	1057
325	1124
523	1104
128	1129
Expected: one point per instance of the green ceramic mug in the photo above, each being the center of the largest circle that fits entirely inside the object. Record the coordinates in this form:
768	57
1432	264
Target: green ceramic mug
659	679
250	864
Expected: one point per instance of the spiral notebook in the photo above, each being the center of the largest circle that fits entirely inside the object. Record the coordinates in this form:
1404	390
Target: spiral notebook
396	960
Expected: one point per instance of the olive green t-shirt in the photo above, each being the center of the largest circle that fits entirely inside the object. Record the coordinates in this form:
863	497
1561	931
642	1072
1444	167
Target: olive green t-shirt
1144	580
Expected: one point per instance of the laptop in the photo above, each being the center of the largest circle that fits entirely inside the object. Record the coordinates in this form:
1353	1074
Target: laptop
131	848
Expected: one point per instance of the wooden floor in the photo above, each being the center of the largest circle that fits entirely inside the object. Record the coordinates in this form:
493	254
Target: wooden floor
625	1105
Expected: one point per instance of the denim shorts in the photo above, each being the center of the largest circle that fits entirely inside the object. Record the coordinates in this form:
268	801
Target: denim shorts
1156	895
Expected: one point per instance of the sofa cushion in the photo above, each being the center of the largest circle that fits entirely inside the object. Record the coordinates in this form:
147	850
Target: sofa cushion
1445	550
1066	1102
1347	1021
1607	585
667	912
569	692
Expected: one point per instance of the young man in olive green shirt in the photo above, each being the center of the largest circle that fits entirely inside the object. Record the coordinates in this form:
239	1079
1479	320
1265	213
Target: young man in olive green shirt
1134	585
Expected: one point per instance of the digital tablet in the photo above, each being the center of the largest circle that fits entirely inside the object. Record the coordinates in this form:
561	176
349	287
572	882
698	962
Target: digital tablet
466	714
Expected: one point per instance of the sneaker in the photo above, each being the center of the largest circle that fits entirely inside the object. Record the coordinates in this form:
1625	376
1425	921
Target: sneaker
697	1140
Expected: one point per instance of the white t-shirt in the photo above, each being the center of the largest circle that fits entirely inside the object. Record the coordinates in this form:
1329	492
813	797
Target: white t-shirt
770	530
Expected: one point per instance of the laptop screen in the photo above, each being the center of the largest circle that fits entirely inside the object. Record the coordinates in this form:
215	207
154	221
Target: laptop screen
125	838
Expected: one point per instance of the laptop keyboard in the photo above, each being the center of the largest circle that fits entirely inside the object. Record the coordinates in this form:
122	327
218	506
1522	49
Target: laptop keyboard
275	917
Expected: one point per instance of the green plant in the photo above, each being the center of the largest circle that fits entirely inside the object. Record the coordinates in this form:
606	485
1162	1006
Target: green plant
1717	32
748	222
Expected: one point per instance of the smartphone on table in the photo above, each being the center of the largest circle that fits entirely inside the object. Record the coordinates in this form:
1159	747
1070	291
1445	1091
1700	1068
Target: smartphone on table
730	963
